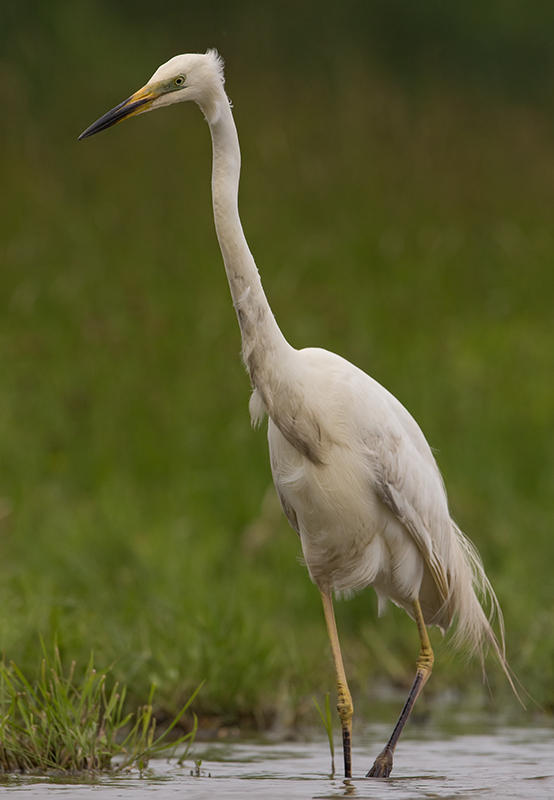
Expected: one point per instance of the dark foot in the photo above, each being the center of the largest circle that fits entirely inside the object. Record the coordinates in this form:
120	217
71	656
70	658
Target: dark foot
382	767
347	750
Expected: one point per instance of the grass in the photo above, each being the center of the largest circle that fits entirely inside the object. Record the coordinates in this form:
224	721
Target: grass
70	723
407	229
327	722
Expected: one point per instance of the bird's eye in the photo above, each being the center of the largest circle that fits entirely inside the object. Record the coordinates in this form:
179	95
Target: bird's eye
179	81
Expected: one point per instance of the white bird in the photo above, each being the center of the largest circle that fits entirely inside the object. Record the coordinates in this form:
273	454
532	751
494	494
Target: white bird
354	473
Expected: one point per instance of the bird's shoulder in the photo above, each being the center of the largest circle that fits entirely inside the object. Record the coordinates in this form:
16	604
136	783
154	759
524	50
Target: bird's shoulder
343	394
327	402
355	411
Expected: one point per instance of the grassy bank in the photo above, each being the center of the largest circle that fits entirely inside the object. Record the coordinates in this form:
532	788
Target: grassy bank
73	720
408	230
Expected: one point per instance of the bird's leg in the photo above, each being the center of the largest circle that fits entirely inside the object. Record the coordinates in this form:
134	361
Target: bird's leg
344	698
424	664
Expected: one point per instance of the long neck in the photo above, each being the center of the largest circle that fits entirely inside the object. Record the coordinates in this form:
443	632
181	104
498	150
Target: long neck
263	344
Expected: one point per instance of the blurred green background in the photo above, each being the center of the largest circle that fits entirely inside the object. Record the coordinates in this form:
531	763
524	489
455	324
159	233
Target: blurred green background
397	192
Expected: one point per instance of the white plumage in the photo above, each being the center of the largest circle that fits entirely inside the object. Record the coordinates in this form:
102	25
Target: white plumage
367	499
354	473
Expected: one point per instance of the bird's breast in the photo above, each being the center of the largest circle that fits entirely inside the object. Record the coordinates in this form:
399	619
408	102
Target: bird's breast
333	507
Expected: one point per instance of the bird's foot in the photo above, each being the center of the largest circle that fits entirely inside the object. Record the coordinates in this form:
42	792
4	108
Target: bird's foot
382	767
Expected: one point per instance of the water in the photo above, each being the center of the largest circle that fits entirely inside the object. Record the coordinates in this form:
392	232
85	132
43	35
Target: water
506	763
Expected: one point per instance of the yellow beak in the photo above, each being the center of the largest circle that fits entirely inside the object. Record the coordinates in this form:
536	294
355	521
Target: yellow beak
135	104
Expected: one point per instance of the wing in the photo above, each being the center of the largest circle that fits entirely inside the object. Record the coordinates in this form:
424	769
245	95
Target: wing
289	511
408	482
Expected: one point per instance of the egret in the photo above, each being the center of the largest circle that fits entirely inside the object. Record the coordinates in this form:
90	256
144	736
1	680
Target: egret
354	474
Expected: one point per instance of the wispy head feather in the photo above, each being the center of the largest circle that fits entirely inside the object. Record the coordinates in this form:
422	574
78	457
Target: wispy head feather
217	62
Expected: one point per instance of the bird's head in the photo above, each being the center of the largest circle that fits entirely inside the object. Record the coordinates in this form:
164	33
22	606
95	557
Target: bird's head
194	76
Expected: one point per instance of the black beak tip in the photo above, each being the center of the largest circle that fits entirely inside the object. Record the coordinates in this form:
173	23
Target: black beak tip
90	131
116	114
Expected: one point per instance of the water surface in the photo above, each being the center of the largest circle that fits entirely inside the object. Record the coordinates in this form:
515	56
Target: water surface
504	763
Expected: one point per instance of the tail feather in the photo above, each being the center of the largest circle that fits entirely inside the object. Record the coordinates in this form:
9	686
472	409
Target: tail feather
470	592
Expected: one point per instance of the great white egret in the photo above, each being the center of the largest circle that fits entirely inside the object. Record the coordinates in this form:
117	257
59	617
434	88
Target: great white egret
354	474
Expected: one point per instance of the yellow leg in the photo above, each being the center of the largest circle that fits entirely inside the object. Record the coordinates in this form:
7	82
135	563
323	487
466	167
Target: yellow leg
344	698
424	664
